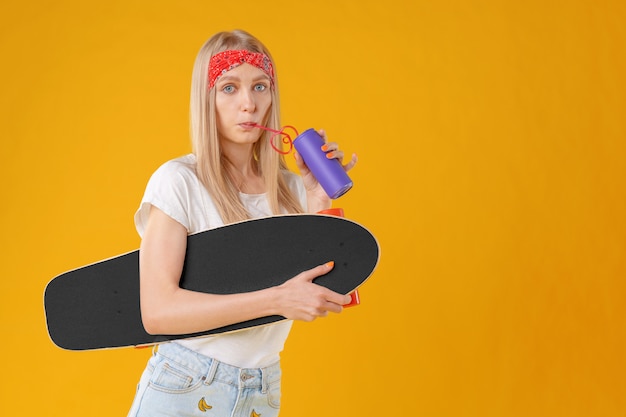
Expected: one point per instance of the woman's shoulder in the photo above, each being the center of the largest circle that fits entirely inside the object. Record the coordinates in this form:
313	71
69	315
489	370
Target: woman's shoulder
183	166
296	185
185	163
290	176
293	180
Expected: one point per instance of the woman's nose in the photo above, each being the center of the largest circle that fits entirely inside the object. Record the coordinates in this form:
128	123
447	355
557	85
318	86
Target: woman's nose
247	101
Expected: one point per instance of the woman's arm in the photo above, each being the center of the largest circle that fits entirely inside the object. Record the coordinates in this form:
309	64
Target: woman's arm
168	309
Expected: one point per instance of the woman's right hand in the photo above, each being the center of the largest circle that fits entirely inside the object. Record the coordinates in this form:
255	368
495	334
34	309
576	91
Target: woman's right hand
301	299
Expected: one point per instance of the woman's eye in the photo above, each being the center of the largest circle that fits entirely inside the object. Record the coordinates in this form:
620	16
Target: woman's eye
260	87
228	88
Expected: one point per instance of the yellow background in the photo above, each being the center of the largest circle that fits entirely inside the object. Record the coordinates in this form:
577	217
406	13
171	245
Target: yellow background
491	138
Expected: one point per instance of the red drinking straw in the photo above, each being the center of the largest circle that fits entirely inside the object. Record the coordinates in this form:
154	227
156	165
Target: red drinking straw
286	139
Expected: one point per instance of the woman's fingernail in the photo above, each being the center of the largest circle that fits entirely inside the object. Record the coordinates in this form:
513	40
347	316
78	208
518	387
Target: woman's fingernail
324	148
330	264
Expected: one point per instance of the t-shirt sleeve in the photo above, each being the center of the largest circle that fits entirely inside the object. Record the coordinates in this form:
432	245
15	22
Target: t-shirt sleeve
168	191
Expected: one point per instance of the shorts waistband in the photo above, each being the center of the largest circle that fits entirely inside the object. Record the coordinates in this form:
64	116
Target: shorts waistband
215	370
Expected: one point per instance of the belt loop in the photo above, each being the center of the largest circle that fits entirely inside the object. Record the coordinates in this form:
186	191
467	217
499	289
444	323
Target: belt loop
264	381
208	379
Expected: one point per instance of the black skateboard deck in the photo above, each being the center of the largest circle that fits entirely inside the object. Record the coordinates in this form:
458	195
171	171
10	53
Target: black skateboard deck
97	306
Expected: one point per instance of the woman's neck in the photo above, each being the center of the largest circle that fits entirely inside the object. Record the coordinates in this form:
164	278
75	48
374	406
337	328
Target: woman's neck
244	172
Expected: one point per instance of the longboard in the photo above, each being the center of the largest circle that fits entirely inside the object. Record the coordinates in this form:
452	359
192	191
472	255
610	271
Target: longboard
97	306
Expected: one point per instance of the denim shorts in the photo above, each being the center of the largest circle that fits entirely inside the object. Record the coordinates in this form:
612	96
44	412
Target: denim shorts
180	382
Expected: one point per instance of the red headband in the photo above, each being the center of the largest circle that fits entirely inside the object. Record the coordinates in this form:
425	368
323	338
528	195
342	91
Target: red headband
223	62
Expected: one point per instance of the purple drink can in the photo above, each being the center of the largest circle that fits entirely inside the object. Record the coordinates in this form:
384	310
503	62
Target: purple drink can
329	172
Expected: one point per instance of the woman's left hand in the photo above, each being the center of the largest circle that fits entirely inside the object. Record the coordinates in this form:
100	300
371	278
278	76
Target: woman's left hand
316	196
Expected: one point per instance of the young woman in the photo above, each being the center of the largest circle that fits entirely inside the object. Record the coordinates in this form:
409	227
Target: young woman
232	175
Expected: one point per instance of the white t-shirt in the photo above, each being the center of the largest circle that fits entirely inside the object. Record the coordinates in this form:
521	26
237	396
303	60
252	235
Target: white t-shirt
175	189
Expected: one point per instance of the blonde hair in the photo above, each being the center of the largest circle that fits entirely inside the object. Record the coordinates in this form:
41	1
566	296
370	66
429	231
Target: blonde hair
211	164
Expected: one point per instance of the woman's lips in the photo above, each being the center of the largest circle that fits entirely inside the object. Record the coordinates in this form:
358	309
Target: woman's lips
248	125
